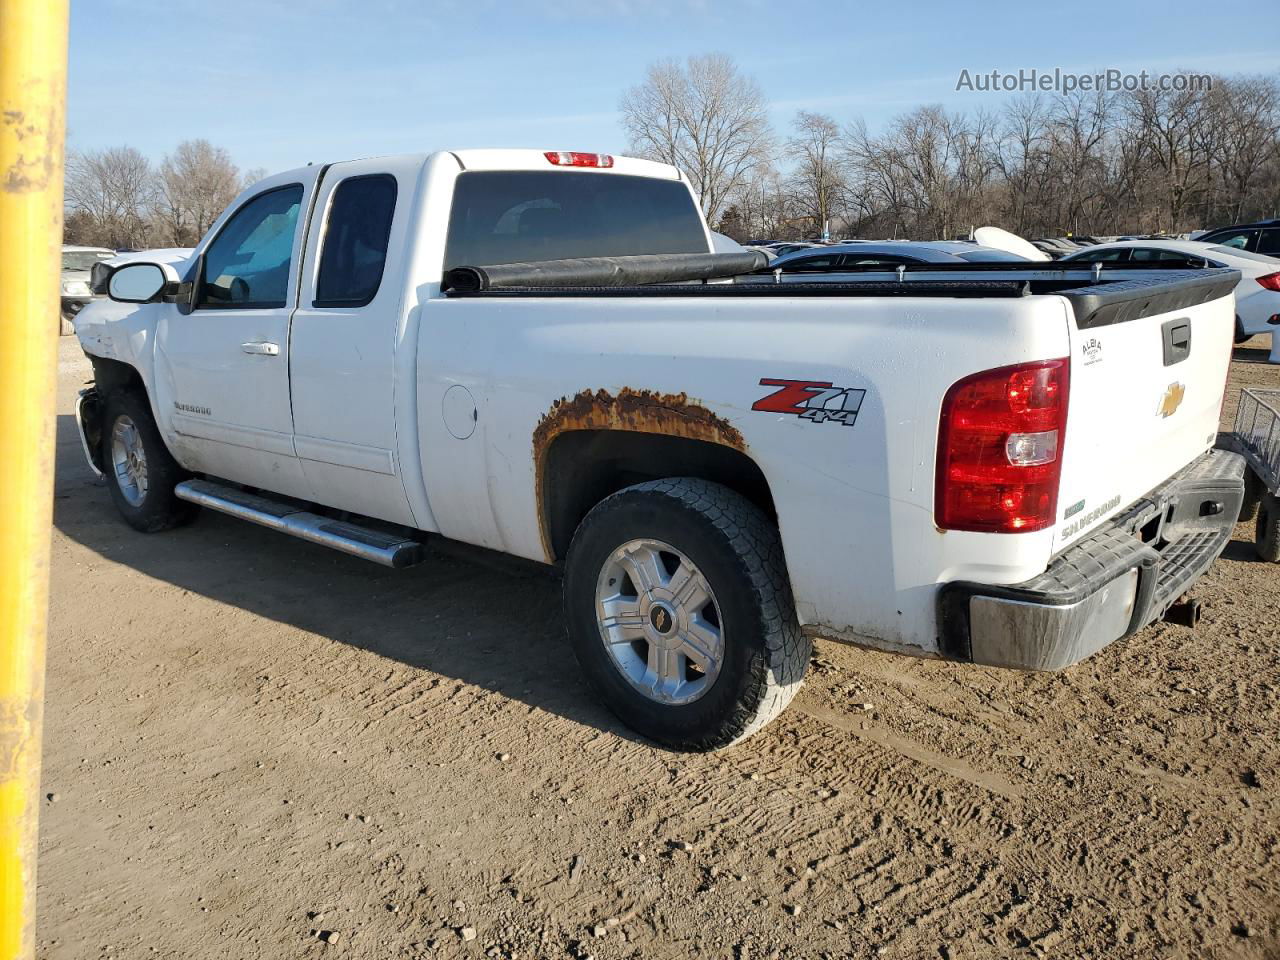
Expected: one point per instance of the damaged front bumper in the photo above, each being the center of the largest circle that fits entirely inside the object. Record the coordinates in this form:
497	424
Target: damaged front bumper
88	427
1110	585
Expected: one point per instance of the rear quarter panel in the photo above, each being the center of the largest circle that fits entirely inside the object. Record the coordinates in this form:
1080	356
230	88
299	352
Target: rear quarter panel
855	502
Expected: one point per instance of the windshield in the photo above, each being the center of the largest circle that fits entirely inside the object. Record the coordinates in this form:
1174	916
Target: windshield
83	260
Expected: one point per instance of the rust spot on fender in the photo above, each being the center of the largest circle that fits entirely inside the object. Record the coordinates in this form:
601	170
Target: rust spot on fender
641	411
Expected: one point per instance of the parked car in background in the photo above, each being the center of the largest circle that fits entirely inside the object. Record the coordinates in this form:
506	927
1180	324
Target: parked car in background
1056	246
1257	294
837	262
765	250
721	243
781	249
77	264
1262	237
175	256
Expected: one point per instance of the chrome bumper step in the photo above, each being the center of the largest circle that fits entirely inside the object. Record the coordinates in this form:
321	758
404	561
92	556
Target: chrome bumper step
388	549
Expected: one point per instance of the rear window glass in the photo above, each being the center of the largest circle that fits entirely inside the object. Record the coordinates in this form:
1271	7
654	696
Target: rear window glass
506	217
1270	242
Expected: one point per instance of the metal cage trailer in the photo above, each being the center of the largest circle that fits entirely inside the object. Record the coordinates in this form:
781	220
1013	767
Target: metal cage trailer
1257	437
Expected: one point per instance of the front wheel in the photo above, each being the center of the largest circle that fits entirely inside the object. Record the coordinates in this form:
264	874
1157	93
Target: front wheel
141	473
679	611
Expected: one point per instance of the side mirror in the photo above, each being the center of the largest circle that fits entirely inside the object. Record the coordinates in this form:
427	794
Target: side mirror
140	282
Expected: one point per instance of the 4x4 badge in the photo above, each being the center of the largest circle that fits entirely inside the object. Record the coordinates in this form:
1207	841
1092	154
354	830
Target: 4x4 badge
815	400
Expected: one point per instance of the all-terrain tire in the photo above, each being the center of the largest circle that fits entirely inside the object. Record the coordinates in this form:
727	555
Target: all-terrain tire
1254	491
158	508
1268	531
737	550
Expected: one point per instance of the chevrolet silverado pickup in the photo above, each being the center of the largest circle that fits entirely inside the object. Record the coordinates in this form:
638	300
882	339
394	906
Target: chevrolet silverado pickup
539	353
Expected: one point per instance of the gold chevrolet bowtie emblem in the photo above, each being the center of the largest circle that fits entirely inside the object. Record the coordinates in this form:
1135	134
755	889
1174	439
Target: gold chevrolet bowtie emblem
1172	399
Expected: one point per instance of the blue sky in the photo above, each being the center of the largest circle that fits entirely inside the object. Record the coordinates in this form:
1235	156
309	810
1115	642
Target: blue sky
283	83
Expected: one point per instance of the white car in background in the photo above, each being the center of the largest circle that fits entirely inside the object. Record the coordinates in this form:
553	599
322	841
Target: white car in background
1257	294
85	270
77	262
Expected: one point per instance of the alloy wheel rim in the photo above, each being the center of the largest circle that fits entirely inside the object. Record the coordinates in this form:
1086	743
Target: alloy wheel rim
659	622
129	460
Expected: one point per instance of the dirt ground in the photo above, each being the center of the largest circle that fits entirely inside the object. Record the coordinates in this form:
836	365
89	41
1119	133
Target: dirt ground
260	748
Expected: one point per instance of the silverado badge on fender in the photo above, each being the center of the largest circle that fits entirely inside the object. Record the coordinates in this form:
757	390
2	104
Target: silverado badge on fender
815	400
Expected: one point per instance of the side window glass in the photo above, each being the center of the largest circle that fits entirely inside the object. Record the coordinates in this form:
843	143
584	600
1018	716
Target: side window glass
1151	254
1240	239
1102	256
354	249
247	264
810	263
1269	242
873	262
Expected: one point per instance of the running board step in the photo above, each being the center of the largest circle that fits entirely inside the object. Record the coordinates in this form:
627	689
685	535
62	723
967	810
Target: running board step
388	549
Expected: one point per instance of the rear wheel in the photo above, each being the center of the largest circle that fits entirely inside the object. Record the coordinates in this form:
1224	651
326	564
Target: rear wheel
679	611
1253	493
1268	533
1241	336
141	474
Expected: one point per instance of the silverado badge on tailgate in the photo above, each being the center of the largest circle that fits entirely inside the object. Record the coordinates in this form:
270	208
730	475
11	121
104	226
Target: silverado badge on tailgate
815	400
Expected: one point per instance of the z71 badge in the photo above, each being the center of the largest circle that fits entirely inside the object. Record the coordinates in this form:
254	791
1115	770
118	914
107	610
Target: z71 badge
814	400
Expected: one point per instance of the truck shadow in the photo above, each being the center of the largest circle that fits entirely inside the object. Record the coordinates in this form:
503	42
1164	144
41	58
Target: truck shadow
464	613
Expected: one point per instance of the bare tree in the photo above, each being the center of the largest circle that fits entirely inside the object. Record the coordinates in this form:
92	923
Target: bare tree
1246	114
112	191
704	117
1024	160
818	183
197	182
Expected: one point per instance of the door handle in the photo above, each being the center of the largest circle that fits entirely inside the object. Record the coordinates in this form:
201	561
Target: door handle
1177	340
261	349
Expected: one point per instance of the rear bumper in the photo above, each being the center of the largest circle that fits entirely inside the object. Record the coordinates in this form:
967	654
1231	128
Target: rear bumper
1111	584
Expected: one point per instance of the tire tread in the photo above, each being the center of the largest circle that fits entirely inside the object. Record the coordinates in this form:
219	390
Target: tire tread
757	547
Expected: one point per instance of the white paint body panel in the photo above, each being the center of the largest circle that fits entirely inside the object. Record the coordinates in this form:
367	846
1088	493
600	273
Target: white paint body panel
362	422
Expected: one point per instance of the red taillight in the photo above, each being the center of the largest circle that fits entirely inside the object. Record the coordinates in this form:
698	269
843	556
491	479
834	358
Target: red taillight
572	158
1000	449
1271	281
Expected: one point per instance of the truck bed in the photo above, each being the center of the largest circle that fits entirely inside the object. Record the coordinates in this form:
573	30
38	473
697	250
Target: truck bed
1097	299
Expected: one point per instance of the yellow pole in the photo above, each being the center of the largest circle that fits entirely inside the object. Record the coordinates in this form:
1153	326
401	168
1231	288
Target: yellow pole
33	92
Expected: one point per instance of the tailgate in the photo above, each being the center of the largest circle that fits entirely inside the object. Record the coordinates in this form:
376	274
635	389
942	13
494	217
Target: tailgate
1149	360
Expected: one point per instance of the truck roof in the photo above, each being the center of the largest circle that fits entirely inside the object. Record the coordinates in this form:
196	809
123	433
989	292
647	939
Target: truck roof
532	159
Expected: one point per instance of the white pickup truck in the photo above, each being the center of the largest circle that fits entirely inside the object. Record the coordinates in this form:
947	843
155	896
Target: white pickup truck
538	354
